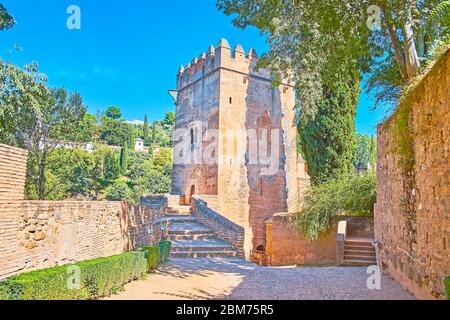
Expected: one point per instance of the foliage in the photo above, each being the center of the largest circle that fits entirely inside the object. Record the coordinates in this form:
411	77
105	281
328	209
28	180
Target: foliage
300	34
124	159
6	20
152	254
366	151
328	142
99	278
160	134
165	247
169	118
113	113
111	168
114	132
35	117
70	173
119	191
447	287
87	129
146	130
353	195
163	158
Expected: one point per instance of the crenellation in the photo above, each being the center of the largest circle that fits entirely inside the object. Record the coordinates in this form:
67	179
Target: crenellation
222	57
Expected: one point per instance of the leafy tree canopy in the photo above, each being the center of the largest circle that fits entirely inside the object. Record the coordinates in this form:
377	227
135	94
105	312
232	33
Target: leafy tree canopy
6	20
113	113
169	118
316	41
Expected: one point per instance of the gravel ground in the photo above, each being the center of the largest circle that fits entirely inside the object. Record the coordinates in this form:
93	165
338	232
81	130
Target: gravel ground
232	278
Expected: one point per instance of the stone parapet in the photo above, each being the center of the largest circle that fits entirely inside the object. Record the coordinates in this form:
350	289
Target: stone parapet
225	229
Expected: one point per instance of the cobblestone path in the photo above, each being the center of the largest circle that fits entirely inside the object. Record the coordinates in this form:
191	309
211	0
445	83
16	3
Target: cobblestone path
232	278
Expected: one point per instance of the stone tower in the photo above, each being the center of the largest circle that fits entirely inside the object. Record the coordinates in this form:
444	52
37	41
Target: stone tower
235	137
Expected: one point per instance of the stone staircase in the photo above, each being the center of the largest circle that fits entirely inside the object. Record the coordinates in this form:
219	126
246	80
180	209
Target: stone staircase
191	239
359	252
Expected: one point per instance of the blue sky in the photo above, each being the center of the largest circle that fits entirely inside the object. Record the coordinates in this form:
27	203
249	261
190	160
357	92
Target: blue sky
127	53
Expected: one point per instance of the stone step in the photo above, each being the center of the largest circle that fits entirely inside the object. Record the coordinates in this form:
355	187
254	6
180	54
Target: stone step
362	248
200	245
197	236
179	218
179	208
358	243
360	258
188	228
359	263
203	254
361	253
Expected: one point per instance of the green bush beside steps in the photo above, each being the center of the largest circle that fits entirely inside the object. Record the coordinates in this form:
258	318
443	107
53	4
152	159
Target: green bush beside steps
85	280
447	287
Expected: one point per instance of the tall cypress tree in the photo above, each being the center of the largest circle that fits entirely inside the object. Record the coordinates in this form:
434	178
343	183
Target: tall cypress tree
124	159
111	168
146	130
131	139
328	140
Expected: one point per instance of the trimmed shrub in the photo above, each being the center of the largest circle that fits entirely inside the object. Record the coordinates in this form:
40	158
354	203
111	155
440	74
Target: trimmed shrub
447	287
99	277
152	254
165	246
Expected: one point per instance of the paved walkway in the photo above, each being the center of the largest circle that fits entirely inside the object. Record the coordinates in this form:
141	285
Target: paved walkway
232	278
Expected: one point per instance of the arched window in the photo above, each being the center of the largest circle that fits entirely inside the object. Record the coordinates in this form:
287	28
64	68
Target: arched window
196	136
192	137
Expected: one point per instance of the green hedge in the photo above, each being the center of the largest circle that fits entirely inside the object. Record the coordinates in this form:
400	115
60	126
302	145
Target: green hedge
98	278
152	254
165	246
447	287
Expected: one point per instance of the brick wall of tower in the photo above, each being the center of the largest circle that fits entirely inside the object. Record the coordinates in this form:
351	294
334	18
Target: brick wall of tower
221	90
197	109
249	104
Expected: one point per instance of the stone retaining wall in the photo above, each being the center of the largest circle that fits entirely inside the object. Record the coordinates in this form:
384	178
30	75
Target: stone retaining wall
288	246
225	229
412	213
40	234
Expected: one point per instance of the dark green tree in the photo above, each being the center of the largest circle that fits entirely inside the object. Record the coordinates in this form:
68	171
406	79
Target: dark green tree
113	113
131	139
328	139
169	118
366	151
88	129
119	191
146	130
114	132
124	159
111	168
6	20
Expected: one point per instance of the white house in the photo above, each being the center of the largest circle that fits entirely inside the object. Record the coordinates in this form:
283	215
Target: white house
139	145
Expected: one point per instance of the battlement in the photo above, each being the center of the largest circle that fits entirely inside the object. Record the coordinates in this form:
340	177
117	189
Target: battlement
220	57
